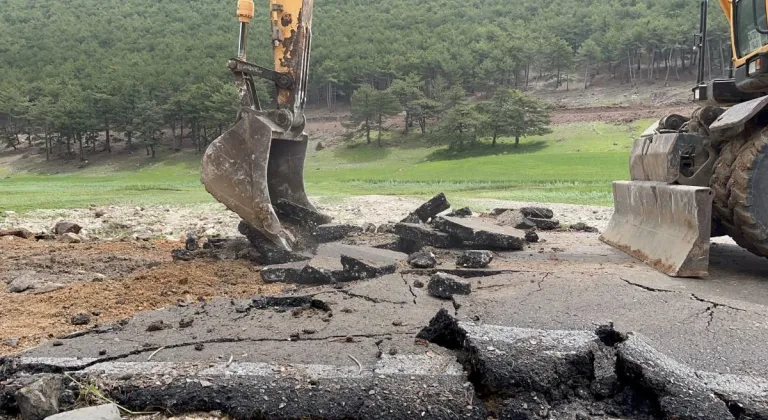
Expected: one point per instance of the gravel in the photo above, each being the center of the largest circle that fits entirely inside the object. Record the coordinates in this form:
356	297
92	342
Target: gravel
206	220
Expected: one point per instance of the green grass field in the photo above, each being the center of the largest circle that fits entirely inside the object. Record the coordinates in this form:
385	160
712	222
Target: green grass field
574	164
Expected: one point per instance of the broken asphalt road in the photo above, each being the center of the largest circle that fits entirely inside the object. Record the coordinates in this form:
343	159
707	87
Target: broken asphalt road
351	351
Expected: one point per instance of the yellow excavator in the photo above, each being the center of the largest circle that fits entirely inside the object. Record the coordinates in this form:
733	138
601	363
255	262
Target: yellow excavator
260	159
707	174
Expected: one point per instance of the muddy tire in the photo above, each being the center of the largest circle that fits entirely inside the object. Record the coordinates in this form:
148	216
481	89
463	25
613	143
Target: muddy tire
722	211
748	198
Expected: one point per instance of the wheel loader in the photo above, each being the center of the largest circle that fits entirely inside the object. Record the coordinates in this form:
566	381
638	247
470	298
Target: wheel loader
707	174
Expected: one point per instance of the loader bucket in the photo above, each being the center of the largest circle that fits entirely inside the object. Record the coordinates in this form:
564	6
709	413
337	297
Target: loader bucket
666	226
247	168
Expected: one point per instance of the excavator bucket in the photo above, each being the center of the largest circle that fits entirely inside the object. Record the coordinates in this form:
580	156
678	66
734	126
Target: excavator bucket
249	168
666	226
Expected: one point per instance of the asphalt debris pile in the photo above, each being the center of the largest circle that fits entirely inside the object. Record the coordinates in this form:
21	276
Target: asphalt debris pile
527	218
537	374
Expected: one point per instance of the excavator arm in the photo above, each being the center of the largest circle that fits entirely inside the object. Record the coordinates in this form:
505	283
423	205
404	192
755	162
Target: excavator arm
259	161
726	6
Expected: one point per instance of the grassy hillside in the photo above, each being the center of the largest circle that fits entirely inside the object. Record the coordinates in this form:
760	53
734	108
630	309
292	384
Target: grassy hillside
574	164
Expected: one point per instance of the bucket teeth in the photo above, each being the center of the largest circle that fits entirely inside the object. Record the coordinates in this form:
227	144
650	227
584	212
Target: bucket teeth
665	226
245	165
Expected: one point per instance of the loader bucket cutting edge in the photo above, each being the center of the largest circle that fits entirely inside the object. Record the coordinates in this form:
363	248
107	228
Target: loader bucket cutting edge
666	226
236	169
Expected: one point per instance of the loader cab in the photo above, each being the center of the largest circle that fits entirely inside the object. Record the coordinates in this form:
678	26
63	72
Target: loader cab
750	39
749	72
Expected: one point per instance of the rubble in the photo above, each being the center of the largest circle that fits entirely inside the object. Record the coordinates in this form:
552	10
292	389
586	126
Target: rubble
334	232
583	227
537	212
545	224
17	232
422	259
515	219
462	212
480	233
531	237
191	244
63	227
80	319
295	213
71	238
444	286
285	273
425	235
268	252
428	210
40	399
361	268
474	259
321	270
99	412
157	326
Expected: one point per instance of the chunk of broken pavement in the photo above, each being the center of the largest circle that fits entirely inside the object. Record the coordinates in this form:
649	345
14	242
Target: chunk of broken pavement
71	238
583	227
480	233
367	267
191	243
299	214
321	270
515	219
545	224
156	326
182	255
462	212
444	286
444	331
269	253
422	259
537	212
425	235
283	273
40	399
99	412
432	208
81	319
474	259
412	218
18	232
334	232
66	227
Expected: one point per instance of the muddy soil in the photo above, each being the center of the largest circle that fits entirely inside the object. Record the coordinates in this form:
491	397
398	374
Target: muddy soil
109	281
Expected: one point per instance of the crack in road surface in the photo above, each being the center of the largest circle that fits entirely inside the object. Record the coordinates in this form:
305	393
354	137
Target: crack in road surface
646	288
410	288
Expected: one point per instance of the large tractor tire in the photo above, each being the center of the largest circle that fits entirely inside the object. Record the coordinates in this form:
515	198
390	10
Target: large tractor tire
740	184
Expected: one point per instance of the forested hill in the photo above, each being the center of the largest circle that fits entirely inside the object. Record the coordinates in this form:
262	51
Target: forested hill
139	62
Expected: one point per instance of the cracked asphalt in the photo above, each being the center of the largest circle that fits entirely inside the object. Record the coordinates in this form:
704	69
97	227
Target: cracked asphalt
570	282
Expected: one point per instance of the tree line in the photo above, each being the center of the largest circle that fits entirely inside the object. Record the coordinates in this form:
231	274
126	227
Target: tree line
75	73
